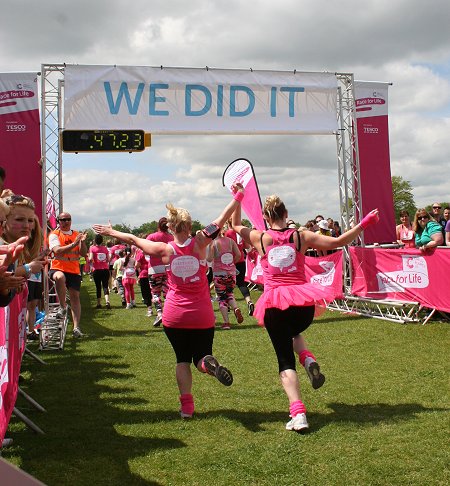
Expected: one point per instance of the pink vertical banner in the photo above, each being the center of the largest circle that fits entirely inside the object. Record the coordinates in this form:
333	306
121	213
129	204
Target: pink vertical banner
20	143
241	171
374	159
12	347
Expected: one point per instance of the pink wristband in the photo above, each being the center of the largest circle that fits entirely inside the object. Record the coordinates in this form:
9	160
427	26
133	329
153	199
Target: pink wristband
238	196
368	219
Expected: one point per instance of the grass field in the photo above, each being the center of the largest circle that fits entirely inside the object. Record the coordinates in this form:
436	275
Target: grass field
382	417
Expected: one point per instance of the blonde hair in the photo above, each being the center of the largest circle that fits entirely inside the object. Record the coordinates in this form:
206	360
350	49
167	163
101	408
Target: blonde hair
178	219
4	206
274	208
34	243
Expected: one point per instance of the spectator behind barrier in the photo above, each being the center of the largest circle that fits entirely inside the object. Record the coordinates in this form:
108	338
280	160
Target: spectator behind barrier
404	231
428	231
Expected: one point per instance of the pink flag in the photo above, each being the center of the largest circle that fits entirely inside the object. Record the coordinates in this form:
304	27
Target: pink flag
51	211
241	171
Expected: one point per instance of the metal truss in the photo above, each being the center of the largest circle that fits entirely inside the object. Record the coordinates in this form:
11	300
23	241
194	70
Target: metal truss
52	76
389	310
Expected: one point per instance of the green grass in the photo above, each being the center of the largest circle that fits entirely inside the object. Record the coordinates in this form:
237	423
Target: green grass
382	417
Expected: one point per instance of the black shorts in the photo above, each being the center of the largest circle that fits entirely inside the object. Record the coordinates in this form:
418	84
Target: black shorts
34	290
73	280
190	345
282	326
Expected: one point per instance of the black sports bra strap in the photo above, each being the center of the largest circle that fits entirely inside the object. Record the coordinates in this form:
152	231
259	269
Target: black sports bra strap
262	246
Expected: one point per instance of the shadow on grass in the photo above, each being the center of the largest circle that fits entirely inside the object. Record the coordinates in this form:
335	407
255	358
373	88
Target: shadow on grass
361	414
86	396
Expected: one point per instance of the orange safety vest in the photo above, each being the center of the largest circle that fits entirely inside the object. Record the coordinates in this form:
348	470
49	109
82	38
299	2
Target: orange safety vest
67	262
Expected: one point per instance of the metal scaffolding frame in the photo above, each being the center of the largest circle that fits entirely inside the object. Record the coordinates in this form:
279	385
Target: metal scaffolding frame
52	81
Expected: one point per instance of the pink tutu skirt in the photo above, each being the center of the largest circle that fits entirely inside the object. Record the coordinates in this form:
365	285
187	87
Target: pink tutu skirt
285	296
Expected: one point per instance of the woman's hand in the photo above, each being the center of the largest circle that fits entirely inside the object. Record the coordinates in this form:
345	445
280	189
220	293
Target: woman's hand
103	229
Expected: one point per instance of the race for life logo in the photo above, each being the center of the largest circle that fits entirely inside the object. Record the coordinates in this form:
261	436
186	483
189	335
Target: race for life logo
414	275
326	278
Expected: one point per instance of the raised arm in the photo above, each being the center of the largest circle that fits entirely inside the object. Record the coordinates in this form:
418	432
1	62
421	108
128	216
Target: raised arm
211	231
251	237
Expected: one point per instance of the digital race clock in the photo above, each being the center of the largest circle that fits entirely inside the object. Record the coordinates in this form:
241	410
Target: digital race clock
104	140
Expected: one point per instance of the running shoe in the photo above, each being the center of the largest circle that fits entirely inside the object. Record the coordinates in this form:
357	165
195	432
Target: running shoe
61	312
226	326
238	314
124	303
98	306
251	308
158	321
108	305
298	423
213	368
149	313
312	369
33	336
77	333
129	306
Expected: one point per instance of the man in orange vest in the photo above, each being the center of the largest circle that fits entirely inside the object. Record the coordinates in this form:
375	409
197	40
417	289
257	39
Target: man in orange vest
67	246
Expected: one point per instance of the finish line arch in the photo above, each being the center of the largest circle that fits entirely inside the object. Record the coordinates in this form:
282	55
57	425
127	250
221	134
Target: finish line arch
231	111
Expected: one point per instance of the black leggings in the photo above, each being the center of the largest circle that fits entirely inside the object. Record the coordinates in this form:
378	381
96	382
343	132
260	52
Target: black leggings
190	345
282	326
101	279
240	279
145	291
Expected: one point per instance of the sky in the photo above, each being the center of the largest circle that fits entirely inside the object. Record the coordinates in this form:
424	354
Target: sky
403	42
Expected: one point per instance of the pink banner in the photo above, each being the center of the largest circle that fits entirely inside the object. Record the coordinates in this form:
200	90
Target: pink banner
405	275
241	171
20	146
374	159
12	347
325	271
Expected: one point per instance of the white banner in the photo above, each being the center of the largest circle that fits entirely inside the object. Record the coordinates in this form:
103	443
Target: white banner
181	100
371	98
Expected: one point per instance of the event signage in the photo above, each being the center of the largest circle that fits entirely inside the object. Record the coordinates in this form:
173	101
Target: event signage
374	159
402	275
187	100
20	147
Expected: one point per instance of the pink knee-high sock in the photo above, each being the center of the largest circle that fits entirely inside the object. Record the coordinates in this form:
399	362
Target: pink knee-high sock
297	407
187	403
306	353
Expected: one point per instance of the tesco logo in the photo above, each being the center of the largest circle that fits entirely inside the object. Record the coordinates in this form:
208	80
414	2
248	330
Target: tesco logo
16	128
370	130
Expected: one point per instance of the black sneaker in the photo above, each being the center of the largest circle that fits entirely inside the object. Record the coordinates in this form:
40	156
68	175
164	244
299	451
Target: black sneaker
108	305
213	368
33	336
312	369
98	306
251	308
124	303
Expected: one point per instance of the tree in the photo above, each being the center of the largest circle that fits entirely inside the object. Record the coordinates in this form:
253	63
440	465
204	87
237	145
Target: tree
403	197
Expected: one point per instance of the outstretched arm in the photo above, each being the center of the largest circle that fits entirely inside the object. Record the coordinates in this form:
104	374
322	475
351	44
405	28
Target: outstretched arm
150	247
321	242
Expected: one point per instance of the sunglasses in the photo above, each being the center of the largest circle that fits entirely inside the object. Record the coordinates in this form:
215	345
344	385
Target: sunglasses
437	207
422	217
64	220
17	198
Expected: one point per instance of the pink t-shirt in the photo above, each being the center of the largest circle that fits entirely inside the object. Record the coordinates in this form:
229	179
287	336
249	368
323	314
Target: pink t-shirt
188	301
143	260
100	257
155	265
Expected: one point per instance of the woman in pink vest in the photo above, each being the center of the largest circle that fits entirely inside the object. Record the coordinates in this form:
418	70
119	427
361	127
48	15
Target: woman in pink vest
223	252
99	258
188	316
286	307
